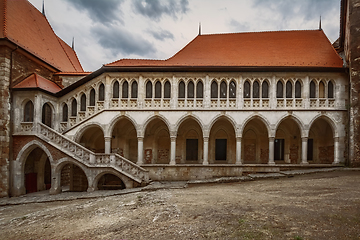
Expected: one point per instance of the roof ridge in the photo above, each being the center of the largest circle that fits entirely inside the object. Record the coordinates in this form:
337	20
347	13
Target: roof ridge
58	38
136	59
270	31
183	48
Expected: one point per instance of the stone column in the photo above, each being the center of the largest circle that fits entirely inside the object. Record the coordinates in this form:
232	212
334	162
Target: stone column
107	145
271	151
140	160
304	150
336	151
206	151
238	150
173	151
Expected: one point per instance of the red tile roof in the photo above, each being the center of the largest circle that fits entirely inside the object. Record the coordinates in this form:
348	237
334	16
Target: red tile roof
36	81
308	48
25	26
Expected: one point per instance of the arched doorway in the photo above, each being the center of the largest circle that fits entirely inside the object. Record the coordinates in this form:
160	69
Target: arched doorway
255	142
189	142
287	144
93	139
73	179
124	140
222	143
110	182
37	171
321	143
157	143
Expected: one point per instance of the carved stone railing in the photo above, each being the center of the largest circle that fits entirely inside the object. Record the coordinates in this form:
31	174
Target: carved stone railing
265	103
280	103
27	126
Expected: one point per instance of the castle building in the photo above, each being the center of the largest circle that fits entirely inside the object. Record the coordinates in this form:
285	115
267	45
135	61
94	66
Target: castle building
224	105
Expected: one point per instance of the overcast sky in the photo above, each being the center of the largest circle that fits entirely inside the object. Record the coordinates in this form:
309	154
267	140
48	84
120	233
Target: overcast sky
108	30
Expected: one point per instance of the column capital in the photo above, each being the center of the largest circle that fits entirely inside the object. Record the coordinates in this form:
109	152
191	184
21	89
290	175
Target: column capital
140	138
336	139
238	139
304	138
107	139
173	138
271	139
206	139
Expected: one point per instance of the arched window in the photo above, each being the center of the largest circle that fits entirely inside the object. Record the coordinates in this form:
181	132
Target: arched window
265	89
102	92
181	89
149	89
158	89
74	108
83	102
134	90
232	89
116	89
223	90
256	89
312	90
246	89
29	112
65	113
288	89
214	89
167	90
46	115
190	92
321	90
125	90
330	90
92	97
279	90
199	90
297	89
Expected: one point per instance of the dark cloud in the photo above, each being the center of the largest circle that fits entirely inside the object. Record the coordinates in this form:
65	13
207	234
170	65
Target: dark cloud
119	40
102	11
161	34
310	9
155	9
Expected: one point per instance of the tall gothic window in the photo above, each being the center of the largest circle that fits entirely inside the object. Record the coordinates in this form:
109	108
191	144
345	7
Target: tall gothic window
256	90
330	90
116	89
190	92
312	90
65	113
46	115
321	90
199	89
223	89
214	89
232	89
83	103
74	108
149	89
125	90
92	97
167	90
265	89
29	112
288	89
246	89
158	89
279	90
101	92
134	90
297	89
181	89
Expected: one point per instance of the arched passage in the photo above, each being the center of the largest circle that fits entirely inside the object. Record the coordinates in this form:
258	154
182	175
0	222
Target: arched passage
37	171
110	182
222	142
124	140
255	142
157	142
189	142
320	142
93	139
73	178
287	143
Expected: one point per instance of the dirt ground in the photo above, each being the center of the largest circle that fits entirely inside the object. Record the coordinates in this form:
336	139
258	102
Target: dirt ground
316	206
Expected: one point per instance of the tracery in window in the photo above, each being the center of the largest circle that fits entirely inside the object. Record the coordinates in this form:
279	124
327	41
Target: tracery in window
214	89
116	89
288	89
298	89
190	92
92	97
256	89
247	89
181	89
199	90
265	89
125	90
134	90
232	89
149	89
223	90
29	112
65	113
279	90
330	90
74	108
312	90
321	90
101	92
83	102
167	90
158	89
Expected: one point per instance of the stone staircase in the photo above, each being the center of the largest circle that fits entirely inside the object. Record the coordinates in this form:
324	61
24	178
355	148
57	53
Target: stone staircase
91	159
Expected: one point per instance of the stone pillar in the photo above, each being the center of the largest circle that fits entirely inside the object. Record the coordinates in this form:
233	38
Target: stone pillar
107	145
271	151
173	151
55	182
140	160
336	151
238	150
206	151
304	150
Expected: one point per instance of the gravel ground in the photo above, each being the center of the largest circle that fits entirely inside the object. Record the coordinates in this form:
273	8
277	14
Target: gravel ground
315	206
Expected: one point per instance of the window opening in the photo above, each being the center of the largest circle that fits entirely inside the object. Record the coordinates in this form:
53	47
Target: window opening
330	90
83	103
191	149
279	90
312	89
214	90
29	112
92	97
297	89
288	89
167	90
148	89
321	90
157	89
223	90
256	90
65	113
181	89
232	90
190	92
116	88
199	90
247	89
74	108
134	90
265	89
46	115
125	90
101	92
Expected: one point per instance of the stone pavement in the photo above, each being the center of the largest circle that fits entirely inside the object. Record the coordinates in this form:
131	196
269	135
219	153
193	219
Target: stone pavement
44	196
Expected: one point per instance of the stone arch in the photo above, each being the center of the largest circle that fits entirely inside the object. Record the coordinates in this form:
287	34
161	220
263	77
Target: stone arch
126	181
329	120
252	117
84	128
184	118
151	118
223	116
296	119
99	145
117	118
